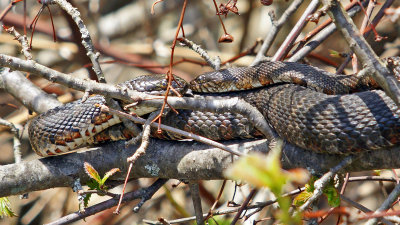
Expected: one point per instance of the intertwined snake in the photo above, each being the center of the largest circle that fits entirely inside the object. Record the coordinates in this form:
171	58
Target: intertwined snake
323	114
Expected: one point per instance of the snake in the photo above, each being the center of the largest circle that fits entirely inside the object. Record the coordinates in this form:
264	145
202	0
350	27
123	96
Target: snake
306	106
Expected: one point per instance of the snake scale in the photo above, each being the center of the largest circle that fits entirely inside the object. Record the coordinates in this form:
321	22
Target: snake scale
321	114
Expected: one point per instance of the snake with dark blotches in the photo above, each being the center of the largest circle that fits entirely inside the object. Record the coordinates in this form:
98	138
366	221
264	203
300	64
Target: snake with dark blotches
306	106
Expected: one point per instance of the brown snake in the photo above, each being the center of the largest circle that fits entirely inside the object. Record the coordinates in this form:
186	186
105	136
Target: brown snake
322	117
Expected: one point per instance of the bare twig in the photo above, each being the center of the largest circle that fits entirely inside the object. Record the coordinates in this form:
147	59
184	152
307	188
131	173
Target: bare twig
363	51
16	139
324	180
320	37
291	38
139	152
386	204
276	26
26	92
214	63
244	206
194	192
259	205
364	24
174	130
361	207
149	191
22	40
86	39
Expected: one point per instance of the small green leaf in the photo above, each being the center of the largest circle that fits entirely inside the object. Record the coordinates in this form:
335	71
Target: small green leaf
265	171
301	198
93	185
86	200
333	196
5	208
109	174
92	172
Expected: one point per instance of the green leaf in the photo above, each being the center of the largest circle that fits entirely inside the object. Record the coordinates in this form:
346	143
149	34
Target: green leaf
86	200
265	171
219	220
92	172
301	198
93	185
284	215
333	196
5	208
109	174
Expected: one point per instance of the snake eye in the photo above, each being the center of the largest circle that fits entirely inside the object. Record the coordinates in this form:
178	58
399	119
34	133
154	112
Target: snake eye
164	84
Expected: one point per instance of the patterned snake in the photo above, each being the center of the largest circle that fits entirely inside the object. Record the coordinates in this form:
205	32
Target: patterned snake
323	114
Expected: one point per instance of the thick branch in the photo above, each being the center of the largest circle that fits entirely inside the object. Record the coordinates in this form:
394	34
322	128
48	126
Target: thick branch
82	85
25	91
169	159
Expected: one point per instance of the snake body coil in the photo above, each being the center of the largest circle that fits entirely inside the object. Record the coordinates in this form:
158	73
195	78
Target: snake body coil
337	123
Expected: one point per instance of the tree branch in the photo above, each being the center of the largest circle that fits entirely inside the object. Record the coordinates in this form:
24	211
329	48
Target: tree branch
363	50
170	159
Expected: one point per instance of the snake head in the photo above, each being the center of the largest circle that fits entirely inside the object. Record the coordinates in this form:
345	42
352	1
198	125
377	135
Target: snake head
155	84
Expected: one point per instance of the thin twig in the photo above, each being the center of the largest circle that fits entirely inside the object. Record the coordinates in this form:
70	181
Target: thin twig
22	40
324	180
214	63
276	26
258	205
16	139
366	210
194	192
364	52
320	37
86	39
172	129
149	191
386	204
291	38
139	152
244	206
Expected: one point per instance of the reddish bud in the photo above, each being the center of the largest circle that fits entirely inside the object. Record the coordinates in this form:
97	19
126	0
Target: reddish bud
226	38
266	2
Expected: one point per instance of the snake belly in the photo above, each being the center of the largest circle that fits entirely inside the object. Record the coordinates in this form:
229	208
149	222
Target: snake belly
338	124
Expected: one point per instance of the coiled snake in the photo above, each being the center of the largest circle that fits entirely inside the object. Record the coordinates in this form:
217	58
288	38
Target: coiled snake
323	114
